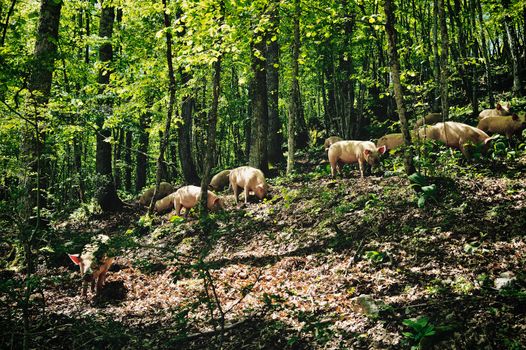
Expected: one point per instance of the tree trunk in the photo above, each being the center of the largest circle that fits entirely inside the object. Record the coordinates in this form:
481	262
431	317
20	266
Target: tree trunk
444	75
395	73
512	43
485	53
275	137
258	157
39	87
128	162
106	193
6	24
184	133
295	89
171	102
141	162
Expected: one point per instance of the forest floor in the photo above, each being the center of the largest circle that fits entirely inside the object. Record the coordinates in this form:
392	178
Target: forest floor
321	263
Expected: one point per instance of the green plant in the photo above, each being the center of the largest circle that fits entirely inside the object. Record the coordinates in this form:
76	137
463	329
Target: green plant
420	329
423	190
375	256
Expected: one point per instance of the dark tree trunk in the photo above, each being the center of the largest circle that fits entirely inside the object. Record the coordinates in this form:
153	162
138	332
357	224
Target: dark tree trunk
128	162
106	192
295	89
485	53
164	139
6	24
512	44
212	122
184	133
348	85
275	137
444	75
40	88
395	72
258	157
141	169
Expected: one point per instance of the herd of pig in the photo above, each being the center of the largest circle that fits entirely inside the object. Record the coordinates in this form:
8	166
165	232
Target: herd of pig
94	264
453	134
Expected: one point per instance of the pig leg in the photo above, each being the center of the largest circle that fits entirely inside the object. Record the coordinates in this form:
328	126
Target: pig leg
235	188
360	163
246	194
333	169
84	288
100	281
93	285
178	207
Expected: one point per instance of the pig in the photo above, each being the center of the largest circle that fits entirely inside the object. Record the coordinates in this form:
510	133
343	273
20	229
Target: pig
390	141
508	125
164	189
220	181
499	111
94	263
430	119
165	204
347	152
330	140
188	197
249	179
455	135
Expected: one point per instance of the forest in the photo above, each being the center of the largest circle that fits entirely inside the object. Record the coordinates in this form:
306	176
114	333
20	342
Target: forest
263	174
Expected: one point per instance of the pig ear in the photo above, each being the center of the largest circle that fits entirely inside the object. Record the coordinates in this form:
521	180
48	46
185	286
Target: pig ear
367	152
382	149
75	258
515	117
499	107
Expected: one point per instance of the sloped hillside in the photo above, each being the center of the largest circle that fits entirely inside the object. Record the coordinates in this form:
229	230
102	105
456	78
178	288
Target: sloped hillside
321	263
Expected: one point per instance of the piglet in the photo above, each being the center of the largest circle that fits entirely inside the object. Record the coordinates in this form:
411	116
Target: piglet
348	152
249	179
390	141
94	263
430	119
188	197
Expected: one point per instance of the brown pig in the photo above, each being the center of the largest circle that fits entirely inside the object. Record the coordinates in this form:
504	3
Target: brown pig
498	111
508	125
348	152
330	140
164	189
430	119
188	197
94	263
165	204
220	180
456	135
248	179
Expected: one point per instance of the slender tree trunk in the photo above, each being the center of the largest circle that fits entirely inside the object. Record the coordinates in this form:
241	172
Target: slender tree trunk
275	137
258	157
184	133
141	162
212	122
295	89
106	194
487	62
444	75
508	25
6	24
128	162
171	102
395	73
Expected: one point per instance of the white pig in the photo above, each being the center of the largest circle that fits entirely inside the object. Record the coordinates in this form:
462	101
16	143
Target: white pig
164	189
499	111
330	140
188	197
508	125
456	135
220	180
248	179
94	263
348	152
166	204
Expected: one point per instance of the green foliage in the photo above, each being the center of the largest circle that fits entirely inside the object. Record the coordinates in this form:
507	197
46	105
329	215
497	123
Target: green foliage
375	256
420	329
424	191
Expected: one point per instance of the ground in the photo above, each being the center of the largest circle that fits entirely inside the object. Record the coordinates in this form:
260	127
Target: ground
320	264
